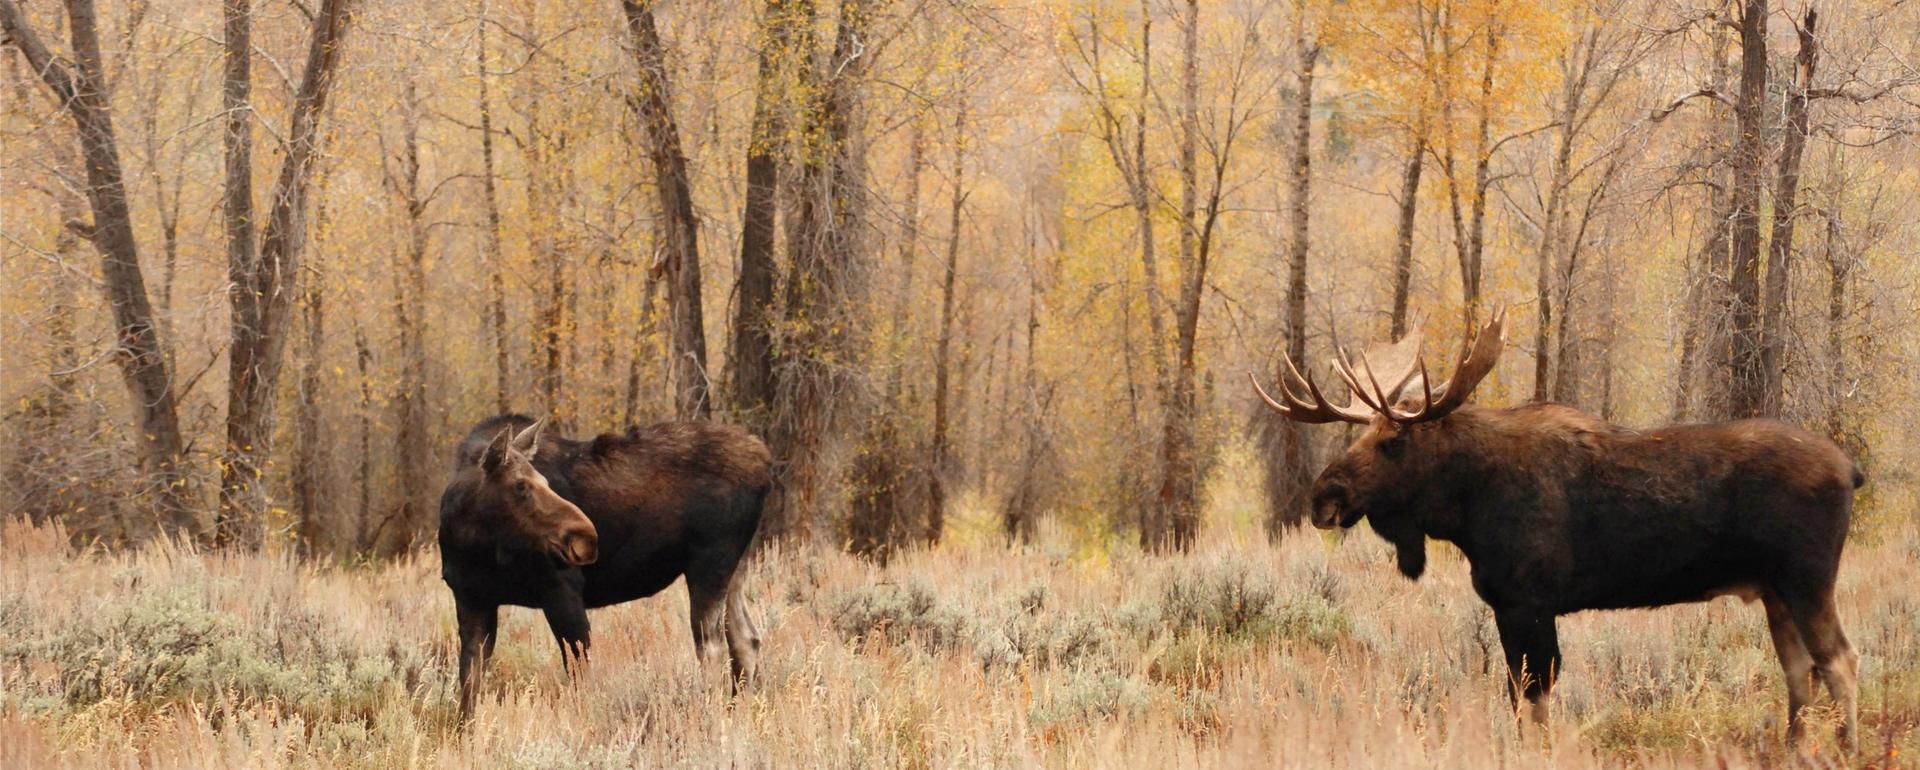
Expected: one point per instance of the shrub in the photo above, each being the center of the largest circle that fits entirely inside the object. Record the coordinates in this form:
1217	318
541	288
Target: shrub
1045	639
171	647
1228	599
1089	695
897	613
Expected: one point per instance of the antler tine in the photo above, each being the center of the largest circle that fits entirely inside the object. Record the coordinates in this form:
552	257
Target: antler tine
1294	408
1386	402
1426	389
1426	386
1264	396
1478	353
1299	409
1287	389
1313	389
1347	413
1343	366
1317	412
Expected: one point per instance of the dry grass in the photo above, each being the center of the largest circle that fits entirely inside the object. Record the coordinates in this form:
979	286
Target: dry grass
1312	654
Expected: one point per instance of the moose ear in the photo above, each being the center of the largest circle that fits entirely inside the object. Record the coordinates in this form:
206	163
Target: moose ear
496	452
528	441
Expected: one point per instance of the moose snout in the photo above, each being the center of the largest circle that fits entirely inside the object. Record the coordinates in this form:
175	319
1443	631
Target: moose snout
1330	505
578	545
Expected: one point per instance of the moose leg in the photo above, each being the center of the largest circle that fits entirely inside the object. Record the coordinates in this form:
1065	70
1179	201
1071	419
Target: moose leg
1533	658
1833	659
704	603
1794	660
567	617
477	627
743	639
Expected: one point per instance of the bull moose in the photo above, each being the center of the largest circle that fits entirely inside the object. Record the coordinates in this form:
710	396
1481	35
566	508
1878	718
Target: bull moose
1557	511
532	519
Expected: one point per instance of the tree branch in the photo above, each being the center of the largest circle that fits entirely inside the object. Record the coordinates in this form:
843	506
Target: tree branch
50	67
1663	112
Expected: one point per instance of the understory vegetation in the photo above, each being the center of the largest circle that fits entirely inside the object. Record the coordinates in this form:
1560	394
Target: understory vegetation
1312	653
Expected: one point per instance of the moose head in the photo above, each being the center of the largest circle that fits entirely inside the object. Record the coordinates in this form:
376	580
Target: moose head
1399	464
523	510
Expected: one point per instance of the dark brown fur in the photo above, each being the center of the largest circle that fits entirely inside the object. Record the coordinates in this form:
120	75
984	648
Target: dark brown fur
673	499
1558	512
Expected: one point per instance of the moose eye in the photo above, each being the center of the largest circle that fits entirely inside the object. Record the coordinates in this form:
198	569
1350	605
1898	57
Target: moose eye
521	486
1393	445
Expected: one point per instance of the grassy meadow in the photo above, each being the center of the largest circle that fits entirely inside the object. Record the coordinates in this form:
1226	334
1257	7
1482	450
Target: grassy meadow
1312	653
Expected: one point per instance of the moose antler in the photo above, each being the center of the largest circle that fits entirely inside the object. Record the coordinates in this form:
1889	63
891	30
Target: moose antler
1404	361
1315	411
1477	357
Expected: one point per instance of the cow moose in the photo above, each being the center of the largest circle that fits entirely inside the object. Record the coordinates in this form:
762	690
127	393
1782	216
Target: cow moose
532	519
1557	511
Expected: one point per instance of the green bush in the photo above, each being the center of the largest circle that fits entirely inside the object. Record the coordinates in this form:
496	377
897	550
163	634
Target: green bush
172	647
1087	696
1238	602
897	613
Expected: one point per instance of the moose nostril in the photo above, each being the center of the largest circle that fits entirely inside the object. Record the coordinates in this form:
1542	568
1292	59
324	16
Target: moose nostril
583	547
1329	502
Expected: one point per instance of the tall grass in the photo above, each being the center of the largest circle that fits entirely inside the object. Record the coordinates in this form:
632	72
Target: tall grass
1314	653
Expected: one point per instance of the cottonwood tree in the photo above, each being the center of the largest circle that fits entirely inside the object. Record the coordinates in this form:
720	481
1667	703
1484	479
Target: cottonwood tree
1119	122
1214	129
1288	464
81	88
408	523
263	274
680	254
819	347
1592	66
751	350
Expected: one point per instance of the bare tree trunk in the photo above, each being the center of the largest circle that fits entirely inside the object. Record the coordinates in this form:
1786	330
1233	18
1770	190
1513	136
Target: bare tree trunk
642	337
1747	377
1576	66
752	354
938	472
361	533
1288	478
1403	239
1693	310
1471	262
407	527
262	296
143	358
909	251
1704	336
556	334
1543	257
1025	501
1179	493
554	327
167	194
242	498
1565	379
885	512
1141	188
826	242
312	461
313	458
682	257
1786	191
496	256
1839	269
